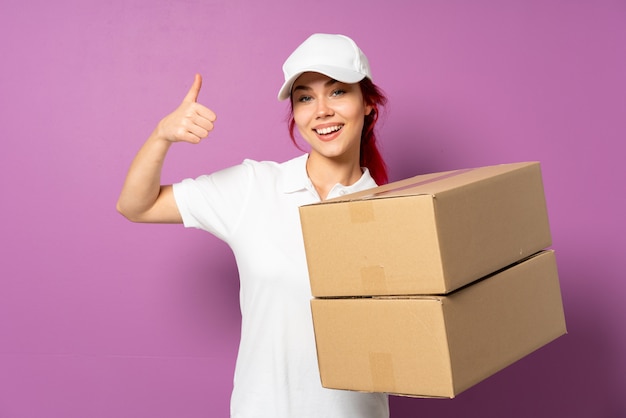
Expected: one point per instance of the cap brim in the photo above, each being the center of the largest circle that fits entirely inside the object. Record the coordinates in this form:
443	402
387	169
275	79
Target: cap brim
339	74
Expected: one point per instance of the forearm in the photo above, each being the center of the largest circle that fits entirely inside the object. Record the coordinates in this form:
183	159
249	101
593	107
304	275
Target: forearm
142	186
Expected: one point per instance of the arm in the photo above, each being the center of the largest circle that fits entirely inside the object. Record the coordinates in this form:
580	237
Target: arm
143	198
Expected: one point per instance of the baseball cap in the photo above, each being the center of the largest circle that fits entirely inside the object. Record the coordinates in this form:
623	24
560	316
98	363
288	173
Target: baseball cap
335	56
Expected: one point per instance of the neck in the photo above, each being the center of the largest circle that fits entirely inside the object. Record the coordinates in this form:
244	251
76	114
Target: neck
326	172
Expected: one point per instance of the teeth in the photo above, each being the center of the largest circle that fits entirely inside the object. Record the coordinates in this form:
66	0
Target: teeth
326	131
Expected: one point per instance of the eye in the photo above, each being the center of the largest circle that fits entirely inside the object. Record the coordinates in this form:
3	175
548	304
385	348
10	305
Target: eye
338	92
304	99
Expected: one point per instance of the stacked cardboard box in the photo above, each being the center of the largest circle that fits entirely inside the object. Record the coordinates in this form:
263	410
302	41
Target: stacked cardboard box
426	286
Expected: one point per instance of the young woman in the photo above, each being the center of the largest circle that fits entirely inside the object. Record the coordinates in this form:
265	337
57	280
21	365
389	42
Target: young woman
254	208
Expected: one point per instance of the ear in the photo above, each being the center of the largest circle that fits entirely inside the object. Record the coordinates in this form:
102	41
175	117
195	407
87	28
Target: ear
368	109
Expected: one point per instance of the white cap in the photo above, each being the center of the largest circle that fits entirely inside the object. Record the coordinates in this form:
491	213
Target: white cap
335	56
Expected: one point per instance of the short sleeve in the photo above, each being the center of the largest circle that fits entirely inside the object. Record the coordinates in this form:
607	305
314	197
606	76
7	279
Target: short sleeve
214	202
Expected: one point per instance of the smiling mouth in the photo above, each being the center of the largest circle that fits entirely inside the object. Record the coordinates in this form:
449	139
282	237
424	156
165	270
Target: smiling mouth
328	130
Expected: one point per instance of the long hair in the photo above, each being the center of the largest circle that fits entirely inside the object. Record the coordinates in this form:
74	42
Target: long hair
370	155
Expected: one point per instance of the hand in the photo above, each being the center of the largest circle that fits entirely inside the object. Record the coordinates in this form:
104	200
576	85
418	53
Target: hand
190	122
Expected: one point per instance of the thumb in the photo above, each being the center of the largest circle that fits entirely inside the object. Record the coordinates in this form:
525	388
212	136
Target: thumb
194	91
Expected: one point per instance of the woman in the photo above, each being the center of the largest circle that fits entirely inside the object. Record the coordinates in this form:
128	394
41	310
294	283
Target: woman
254	208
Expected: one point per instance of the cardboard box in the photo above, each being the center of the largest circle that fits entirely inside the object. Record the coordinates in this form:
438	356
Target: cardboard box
429	234
438	346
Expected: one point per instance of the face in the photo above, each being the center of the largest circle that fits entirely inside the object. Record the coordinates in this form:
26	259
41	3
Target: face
329	115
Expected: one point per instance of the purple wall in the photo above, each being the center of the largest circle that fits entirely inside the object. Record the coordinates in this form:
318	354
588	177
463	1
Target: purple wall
102	318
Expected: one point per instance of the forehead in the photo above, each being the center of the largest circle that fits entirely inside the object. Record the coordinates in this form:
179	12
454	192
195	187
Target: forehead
309	79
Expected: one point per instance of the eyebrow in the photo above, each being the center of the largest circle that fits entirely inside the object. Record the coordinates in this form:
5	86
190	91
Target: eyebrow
306	87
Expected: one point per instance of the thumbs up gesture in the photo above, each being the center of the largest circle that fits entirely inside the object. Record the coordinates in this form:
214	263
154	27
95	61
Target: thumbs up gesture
191	121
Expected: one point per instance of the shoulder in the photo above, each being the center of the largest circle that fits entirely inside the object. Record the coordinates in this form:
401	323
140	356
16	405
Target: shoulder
250	175
276	167
272	171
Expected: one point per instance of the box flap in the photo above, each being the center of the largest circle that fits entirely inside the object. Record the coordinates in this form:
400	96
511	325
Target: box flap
429	184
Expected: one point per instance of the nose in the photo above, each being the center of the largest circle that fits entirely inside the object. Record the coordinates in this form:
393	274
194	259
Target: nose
323	108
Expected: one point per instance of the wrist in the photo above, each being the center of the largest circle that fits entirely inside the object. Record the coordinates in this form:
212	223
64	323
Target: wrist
159	138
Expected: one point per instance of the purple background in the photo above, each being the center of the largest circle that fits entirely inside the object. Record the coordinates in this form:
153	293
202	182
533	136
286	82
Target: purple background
102	318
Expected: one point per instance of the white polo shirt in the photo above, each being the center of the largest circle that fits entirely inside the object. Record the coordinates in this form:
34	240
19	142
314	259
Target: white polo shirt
254	208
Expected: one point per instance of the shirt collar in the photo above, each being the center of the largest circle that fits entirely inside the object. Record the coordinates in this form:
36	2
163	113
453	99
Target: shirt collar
365	182
295	179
